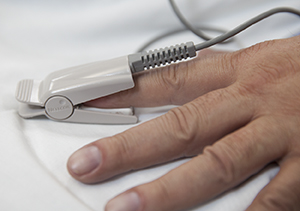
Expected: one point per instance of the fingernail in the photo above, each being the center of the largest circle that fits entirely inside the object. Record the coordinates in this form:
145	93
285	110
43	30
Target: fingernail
85	160
124	202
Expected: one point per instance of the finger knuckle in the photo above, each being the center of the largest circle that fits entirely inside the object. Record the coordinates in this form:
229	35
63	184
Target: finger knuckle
257	56
262	64
183	123
188	119
173	80
224	171
276	201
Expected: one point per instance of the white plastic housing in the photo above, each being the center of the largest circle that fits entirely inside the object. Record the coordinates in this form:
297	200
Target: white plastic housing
60	93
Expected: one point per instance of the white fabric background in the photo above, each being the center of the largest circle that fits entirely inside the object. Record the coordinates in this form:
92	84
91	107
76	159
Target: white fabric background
38	37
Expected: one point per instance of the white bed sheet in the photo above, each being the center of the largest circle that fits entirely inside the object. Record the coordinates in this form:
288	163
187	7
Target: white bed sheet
38	37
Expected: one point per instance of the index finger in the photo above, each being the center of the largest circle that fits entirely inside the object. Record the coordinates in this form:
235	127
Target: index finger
175	84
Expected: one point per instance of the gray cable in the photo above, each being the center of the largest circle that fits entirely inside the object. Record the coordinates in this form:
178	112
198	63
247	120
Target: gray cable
152	59
244	26
176	31
188	27
186	23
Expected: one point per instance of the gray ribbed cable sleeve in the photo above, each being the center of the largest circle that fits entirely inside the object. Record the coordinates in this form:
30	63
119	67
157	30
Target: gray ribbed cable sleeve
151	59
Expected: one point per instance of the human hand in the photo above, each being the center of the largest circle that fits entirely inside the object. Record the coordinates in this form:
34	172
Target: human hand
240	111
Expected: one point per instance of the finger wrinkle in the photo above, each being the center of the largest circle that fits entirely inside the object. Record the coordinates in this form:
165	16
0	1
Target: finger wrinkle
122	149
283	192
275	203
222	166
280	196
173	78
184	125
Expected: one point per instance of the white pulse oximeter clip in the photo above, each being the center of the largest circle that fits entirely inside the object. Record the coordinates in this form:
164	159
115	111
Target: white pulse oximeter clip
61	95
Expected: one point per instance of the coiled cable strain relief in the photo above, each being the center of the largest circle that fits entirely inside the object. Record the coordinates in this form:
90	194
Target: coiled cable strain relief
152	59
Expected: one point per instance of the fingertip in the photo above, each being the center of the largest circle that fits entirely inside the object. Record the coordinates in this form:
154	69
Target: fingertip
128	201
84	161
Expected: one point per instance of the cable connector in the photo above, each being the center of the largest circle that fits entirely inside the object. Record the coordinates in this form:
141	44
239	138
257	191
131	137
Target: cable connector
151	59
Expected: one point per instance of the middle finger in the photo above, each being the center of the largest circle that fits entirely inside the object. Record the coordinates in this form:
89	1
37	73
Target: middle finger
183	131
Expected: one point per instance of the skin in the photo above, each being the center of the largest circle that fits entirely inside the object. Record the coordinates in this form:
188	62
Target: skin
238	112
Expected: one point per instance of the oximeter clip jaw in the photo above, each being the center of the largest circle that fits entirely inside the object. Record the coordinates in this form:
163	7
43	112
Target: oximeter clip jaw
61	95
